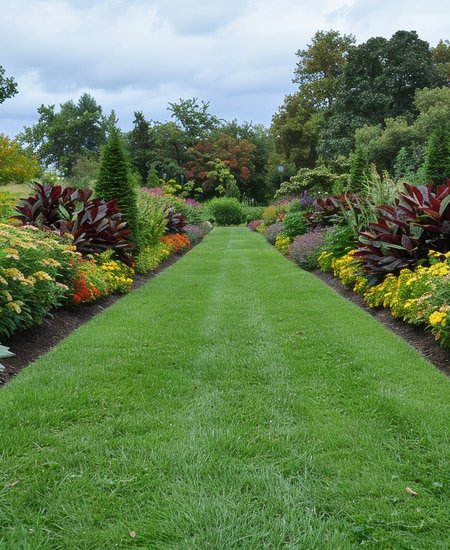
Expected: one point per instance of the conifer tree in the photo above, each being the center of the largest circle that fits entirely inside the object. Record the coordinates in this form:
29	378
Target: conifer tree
114	182
359	167
437	157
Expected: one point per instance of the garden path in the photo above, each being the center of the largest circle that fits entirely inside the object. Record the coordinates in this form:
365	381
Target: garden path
234	401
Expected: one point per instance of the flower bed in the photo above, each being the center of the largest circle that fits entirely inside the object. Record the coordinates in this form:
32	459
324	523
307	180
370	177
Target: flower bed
420	297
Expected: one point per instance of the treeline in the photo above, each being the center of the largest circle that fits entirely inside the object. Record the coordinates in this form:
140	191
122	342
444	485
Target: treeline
377	109
381	107
194	154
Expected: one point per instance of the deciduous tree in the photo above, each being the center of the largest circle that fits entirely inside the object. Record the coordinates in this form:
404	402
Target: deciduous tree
60	137
15	165
8	86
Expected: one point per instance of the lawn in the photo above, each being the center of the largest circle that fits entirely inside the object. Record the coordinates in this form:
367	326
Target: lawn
234	401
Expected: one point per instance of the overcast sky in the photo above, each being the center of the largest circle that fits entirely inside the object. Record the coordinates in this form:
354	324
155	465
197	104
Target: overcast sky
141	54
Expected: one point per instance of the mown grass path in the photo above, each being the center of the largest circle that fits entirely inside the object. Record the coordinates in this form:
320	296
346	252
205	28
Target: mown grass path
232	402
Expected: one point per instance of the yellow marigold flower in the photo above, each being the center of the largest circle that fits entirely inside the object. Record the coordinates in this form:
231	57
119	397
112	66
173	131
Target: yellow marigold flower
438	317
50	262
7	295
15	306
14	274
42	276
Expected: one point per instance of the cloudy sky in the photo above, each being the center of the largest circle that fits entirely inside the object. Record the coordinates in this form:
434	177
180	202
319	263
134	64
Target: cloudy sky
141	54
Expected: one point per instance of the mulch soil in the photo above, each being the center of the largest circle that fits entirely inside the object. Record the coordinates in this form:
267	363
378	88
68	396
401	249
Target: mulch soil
33	343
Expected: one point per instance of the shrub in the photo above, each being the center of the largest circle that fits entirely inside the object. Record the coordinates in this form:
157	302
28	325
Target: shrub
404	233
190	208
339	240
15	166
225	211
94	225
330	210
437	156
305	249
294	223
252	213
270	214
194	233
176	242
7	203
253	225
35	271
151	256
272	231
175	221
359	168
152	219
282	243
318	180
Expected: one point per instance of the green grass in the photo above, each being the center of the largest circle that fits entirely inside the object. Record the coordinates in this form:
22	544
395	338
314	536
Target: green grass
22	189
233	402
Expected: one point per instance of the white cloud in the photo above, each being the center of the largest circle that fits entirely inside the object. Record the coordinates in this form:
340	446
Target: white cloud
140	54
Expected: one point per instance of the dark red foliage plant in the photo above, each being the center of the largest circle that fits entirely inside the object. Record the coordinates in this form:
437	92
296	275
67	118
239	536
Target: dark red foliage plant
404	233
328	211
94	224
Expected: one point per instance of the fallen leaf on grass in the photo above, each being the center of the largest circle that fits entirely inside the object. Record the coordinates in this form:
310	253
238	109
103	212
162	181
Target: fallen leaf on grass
133	534
13	484
411	492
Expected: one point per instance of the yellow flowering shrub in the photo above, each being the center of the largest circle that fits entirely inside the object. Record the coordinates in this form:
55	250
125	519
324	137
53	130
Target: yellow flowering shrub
348	269
34	267
420	297
261	228
151	256
282	243
7	202
325	261
270	214
118	276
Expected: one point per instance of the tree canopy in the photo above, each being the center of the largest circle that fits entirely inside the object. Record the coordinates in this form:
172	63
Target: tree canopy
60	137
8	86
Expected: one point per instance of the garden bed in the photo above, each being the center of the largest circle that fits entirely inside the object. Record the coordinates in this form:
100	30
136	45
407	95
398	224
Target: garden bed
416	336
29	345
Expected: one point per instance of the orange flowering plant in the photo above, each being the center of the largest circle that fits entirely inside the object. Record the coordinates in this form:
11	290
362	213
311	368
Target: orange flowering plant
176	242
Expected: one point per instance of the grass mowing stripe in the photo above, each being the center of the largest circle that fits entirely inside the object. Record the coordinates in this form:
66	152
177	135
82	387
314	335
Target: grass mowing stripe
232	402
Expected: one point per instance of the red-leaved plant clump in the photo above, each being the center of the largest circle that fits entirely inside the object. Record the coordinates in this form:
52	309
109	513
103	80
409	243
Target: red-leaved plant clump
94	224
404	233
327	211
254	224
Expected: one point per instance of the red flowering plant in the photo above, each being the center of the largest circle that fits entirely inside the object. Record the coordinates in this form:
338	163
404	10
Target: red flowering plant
89	282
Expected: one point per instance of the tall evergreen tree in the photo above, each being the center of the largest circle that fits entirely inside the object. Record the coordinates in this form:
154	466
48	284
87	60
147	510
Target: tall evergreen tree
437	156
359	167
140	145
114	181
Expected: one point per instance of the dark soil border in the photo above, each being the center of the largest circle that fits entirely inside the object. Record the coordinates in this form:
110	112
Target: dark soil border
415	336
30	344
